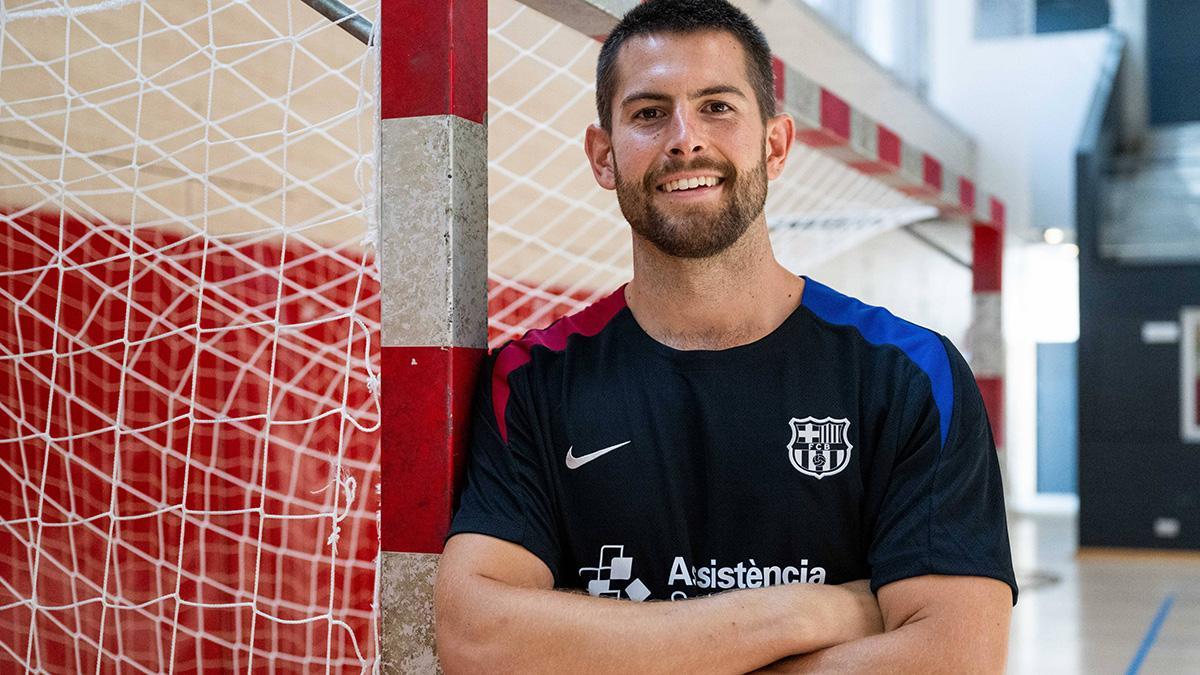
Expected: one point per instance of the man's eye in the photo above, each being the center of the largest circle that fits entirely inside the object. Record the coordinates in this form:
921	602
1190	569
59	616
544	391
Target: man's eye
719	107
648	114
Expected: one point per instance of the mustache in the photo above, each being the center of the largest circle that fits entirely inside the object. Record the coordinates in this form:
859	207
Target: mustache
724	168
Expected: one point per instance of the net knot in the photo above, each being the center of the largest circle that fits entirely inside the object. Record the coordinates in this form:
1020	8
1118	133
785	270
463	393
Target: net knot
347	485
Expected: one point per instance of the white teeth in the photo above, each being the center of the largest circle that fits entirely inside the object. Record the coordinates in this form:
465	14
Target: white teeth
690	183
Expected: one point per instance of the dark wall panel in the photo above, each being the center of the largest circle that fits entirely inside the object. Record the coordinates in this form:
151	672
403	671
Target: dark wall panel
1133	466
1128	486
1173	60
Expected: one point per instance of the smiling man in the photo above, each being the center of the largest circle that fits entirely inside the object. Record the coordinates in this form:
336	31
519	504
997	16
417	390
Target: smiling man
804	481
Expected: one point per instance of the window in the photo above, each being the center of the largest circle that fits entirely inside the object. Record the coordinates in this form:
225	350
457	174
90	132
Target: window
1054	16
1003	18
1009	18
892	32
841	13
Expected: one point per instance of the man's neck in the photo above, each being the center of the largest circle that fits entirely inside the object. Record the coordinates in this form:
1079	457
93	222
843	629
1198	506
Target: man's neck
730	299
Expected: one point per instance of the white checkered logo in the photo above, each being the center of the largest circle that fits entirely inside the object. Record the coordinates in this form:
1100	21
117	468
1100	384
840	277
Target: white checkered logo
611	577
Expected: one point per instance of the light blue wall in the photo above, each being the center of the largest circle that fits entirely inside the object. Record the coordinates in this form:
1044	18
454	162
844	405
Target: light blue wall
1057	418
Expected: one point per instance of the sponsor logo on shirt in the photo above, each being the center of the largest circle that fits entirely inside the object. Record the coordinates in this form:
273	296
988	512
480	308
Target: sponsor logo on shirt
820	447
612	576
745	574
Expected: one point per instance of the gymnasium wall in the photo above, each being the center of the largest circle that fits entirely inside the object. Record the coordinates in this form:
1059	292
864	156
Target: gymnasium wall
1135	471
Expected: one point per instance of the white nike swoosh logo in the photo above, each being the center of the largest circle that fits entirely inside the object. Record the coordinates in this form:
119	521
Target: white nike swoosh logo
574	462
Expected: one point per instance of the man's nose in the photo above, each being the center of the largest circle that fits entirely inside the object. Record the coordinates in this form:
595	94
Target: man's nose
685	137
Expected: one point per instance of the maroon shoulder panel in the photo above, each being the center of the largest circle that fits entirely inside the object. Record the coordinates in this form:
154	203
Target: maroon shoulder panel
588	322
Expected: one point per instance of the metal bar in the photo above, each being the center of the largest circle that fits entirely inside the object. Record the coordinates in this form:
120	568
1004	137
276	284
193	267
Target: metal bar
347	19
124	162
925	239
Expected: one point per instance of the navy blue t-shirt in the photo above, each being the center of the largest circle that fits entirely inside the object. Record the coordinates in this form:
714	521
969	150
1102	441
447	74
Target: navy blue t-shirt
846	444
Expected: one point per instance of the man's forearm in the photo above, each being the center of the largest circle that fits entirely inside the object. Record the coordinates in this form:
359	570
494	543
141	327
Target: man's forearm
496	626
923	647
935	624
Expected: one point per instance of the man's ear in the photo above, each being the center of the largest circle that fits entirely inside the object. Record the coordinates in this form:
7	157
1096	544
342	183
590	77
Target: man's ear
781	131
597	143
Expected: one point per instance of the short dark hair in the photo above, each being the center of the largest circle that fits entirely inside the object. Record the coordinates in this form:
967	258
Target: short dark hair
686	16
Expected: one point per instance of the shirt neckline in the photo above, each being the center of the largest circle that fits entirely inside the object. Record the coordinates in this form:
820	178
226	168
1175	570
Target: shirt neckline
717	358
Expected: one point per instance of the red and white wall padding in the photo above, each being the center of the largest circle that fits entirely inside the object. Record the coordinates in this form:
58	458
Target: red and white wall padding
433	255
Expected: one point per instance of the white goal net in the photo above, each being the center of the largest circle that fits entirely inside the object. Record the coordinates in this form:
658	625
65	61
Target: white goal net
188	334
189	305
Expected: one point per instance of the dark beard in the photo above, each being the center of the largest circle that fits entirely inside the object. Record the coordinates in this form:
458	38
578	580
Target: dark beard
700	231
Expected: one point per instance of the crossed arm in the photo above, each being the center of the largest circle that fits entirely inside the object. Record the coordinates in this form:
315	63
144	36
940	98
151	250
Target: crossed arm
497	612
932	624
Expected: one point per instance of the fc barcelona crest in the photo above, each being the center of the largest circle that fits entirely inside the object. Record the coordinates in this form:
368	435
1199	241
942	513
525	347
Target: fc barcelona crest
820	447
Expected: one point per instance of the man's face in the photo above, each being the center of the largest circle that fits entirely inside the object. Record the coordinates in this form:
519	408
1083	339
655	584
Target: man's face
688	142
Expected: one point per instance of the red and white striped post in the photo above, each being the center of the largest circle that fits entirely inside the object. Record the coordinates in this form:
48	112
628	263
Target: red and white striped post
986	334
433	231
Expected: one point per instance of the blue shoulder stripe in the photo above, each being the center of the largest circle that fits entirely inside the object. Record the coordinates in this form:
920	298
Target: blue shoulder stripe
880	327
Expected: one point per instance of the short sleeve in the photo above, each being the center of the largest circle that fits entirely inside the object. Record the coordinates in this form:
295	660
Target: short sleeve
943	508
507	492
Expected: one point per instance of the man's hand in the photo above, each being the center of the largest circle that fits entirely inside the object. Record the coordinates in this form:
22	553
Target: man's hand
862	617
855	615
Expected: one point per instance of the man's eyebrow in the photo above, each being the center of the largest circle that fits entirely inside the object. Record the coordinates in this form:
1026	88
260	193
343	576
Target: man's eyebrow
700	93
717	89
644	96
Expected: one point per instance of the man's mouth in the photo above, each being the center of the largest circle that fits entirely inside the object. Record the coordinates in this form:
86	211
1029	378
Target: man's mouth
684	184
